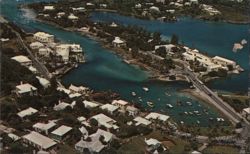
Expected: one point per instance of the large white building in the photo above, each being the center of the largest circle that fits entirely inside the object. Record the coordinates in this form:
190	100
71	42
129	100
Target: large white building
70	51
44	37
39	141
105	121
192	55
23	60
223	61
25	89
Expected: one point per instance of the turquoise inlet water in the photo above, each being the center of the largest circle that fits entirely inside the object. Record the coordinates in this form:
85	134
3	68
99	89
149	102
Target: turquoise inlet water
214	38
106	71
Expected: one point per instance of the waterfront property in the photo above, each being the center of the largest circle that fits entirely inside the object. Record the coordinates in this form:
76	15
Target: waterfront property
121	104
118	42
44	37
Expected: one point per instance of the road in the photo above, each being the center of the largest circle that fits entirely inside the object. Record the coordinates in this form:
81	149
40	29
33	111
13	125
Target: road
226	109
39	66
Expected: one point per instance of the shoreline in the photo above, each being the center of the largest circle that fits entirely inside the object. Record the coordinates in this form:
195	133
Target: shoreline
177	17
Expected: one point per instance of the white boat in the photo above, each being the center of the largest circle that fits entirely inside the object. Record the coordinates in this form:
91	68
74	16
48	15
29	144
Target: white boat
169	105
220	119
196	112
191	113
182	122
189	103
133	94
150	104
145	89
167	94
186	113
198	122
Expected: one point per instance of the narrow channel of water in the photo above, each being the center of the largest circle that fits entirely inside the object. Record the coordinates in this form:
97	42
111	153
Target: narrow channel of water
106	71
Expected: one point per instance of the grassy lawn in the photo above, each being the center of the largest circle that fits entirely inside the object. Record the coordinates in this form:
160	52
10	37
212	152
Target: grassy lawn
178	148
135	145
221	150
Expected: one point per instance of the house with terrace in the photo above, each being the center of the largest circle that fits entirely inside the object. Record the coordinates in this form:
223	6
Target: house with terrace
25	89
105	121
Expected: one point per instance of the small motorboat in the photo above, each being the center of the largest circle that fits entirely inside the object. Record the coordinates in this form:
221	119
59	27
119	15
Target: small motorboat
133	94
182	122
150	104
145	89
186	113
167	94
189	103
169	105
198	122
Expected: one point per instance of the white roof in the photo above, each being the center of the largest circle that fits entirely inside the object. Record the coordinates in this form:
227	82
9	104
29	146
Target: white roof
43	34
247	110
121	102
167	46
195	152
118	40
72	16
77	89
105	121
27	112
155	116
23	88
13	136
44	82
40	140
81	118
109	107
132	108
152	141
21	59
107	135
44	126
62	130
32	69
36	44
90	104
75	95
224	59
83	130
141	120
61	106
66	91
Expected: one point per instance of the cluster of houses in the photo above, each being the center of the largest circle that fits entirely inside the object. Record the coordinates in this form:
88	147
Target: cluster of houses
212	64
45	46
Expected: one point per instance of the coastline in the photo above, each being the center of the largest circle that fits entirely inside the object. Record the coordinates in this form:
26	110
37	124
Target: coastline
127	58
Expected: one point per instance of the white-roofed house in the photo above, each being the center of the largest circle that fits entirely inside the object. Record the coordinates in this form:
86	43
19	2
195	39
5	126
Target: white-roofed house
61	106
36	45
44	127
44	82
141	121
117	42
45	51
81	119
110	108
84	131
39	141
25	89
133	111
246	113
27	112
61	133
78	89
33	70
23	60
90	105
13	137
121	104
105	121
153	145
223	61
157	116
48	8
72	17
44	37
95	145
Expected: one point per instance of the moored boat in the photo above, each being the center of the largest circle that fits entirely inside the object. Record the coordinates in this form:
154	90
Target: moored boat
150	104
